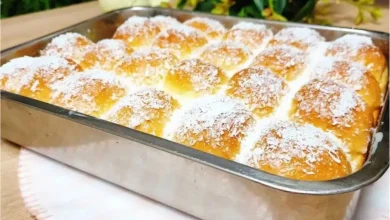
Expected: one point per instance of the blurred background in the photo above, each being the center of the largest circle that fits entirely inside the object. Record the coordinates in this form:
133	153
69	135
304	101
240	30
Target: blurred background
10	8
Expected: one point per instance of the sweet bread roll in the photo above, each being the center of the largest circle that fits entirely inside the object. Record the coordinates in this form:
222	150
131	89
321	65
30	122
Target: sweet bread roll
146	110
164	22
181	40
287	62
362	50
252	35
212	28
352	74
147	67
229	56
34	76
301	152
14	72
213	124
91	92
301	38
193	78
137	32
71	46
105	54
259	88
336	108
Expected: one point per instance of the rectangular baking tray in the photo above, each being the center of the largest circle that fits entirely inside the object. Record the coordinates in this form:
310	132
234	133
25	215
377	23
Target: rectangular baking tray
197	183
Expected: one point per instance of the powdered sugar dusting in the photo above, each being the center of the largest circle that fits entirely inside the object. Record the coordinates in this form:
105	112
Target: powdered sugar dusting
282	141
212	116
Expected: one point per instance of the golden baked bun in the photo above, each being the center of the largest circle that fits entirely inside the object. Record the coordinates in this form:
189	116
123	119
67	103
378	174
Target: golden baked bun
34	76
301	152
91	92
137	32
164	22
361	49
105	54
212	28
287	62
71	46
213	124
147	67
146	110
14	72
259	88
181	40
252	35
193	78
301	38
337	108
352	74
229	56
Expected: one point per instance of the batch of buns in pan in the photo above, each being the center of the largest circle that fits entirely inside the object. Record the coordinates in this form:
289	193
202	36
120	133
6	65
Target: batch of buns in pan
286	102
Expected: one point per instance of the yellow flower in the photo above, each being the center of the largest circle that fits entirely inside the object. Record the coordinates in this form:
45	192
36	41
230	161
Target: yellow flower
222	8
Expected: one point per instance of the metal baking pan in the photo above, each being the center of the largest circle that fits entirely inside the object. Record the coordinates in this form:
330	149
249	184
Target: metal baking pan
197	183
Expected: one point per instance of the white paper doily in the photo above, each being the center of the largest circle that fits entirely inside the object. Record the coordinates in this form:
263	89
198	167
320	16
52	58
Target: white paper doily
57	192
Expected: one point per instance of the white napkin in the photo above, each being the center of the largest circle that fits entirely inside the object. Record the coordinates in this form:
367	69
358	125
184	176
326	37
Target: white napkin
55	191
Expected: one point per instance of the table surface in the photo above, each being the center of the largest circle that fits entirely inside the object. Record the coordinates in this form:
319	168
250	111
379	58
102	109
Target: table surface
22	28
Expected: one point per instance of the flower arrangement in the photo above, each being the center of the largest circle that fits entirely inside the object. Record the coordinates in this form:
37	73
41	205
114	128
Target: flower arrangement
281	10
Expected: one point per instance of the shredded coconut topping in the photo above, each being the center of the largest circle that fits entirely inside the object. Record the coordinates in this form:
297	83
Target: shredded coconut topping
226	54
283	141
146	104
164	22
249	26
203	76
115	49
349	45
304	35
285	56
329	100
342	71
75	83
24	70
68	45
258	87
251	34
212	117
148	66
211	25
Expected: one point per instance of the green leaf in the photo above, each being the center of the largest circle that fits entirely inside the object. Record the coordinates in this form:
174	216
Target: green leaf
205	6
278	5
253	11
242	13
306	10
181	4
259	4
